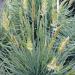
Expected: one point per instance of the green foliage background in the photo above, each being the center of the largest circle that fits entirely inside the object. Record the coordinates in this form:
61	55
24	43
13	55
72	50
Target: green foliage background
21	54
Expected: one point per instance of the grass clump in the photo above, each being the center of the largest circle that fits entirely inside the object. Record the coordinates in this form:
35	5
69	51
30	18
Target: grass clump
27	44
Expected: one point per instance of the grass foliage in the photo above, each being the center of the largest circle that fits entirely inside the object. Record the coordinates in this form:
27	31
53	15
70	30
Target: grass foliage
47	54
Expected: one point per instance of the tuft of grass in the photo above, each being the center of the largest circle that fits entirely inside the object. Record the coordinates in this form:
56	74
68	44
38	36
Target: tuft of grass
22	54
